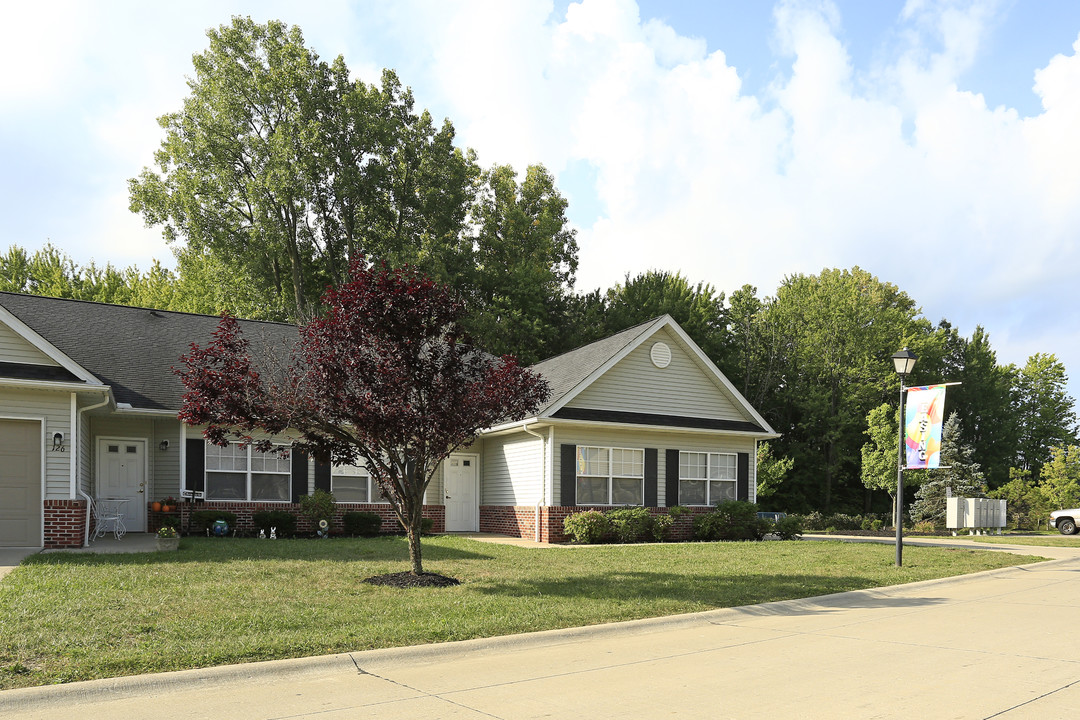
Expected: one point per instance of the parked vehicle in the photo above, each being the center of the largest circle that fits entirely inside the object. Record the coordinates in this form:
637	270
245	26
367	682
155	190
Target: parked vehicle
1065	520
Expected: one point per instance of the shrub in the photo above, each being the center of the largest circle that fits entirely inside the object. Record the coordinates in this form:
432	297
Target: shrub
202	519
631	524
788	528
814	521
283	520
661	525
736	520
318	506
925	526
365	524
840	521
587	527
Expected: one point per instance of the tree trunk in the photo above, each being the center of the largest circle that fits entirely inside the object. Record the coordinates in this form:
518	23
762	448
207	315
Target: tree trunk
414	548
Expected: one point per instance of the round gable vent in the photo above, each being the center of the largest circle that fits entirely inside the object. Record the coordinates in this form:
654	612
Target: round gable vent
660	355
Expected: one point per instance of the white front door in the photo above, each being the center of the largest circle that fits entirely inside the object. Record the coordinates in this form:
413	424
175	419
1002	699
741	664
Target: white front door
121	473
461	487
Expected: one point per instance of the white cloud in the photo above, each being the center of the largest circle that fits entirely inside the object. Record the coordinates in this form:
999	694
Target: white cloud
970	209
895	167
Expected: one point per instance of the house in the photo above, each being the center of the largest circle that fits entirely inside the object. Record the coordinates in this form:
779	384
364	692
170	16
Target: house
88	406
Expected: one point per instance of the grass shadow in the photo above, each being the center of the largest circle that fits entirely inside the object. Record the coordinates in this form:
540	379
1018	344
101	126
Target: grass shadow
222	550
720	590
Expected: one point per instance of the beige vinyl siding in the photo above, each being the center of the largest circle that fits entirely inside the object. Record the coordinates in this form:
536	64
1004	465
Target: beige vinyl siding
164	465
55	407
85	442
684	387
14	348
511	467
662	441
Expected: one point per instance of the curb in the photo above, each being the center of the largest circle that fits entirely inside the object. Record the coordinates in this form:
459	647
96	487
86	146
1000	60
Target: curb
92	691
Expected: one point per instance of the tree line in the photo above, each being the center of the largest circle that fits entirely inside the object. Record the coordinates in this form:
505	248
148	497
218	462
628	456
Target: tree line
280	170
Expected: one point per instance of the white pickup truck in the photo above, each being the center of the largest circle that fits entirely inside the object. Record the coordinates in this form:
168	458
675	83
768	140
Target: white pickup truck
1065	520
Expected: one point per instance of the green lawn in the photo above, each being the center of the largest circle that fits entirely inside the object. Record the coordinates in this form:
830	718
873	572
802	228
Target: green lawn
1054	540
68	617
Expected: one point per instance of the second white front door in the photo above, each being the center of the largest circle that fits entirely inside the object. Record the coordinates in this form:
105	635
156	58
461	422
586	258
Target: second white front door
461	488
121	473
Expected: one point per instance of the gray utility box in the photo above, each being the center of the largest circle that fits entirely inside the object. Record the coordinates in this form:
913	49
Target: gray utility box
976	514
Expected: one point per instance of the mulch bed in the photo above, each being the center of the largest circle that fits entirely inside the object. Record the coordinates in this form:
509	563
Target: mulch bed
409	580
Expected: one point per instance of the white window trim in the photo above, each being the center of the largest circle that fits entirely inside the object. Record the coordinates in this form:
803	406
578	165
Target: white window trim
247	478
708	481
374	495
610	476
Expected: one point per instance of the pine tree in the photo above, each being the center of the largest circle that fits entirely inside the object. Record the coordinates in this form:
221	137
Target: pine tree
959	472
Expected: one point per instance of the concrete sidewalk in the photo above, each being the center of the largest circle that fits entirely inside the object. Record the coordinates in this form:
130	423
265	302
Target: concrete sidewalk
997	644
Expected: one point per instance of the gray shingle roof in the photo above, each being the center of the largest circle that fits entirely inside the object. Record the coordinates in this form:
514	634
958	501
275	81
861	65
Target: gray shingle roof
131	349
565	372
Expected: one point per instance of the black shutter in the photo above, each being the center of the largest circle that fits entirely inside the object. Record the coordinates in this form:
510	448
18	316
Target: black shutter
194	471
742	483
568	476
650	477
322	475
299	475
671	478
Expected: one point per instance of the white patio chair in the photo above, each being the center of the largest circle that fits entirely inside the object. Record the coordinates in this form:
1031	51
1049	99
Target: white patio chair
108	518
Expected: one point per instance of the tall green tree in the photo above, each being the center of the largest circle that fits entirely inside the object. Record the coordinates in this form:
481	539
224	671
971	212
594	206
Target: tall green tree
1061	477
1044	411
771	470
284	169
699	308
835	333
525	258
983	400
53	273
881	454
1026	503
960	473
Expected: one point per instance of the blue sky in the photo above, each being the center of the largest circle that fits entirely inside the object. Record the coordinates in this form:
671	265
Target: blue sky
932	143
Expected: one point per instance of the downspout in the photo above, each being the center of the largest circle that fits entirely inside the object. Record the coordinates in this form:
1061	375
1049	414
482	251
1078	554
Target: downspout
75	449
543	476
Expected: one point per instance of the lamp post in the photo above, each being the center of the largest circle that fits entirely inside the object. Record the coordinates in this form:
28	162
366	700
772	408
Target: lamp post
903	361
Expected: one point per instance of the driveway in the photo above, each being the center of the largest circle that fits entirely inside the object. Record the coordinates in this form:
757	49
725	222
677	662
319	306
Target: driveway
11	557
999	644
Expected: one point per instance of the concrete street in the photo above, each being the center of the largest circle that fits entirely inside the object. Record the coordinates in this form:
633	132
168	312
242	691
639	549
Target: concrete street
1000	644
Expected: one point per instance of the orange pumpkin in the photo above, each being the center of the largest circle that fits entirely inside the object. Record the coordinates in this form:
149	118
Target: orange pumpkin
156	507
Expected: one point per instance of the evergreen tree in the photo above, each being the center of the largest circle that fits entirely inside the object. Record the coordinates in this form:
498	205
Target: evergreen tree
959	472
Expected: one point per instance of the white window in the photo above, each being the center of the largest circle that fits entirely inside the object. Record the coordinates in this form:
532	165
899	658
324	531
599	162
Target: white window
610	476
243	473
353	483
707	478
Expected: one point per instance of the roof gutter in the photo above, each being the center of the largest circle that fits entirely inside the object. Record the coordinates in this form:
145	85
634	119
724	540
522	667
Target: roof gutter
543	475
53	385
75	449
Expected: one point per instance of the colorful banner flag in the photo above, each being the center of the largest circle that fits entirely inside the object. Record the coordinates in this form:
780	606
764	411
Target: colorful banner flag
923	417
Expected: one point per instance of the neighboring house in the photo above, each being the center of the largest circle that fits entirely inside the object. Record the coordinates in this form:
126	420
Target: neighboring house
88	405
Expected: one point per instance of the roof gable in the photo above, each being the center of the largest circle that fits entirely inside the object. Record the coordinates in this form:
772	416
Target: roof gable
616	377
682	387
25	346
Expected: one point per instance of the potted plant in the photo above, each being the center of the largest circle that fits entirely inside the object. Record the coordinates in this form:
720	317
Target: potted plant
168	539
168	504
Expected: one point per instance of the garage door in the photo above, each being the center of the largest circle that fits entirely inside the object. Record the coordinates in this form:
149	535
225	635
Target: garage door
20	483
